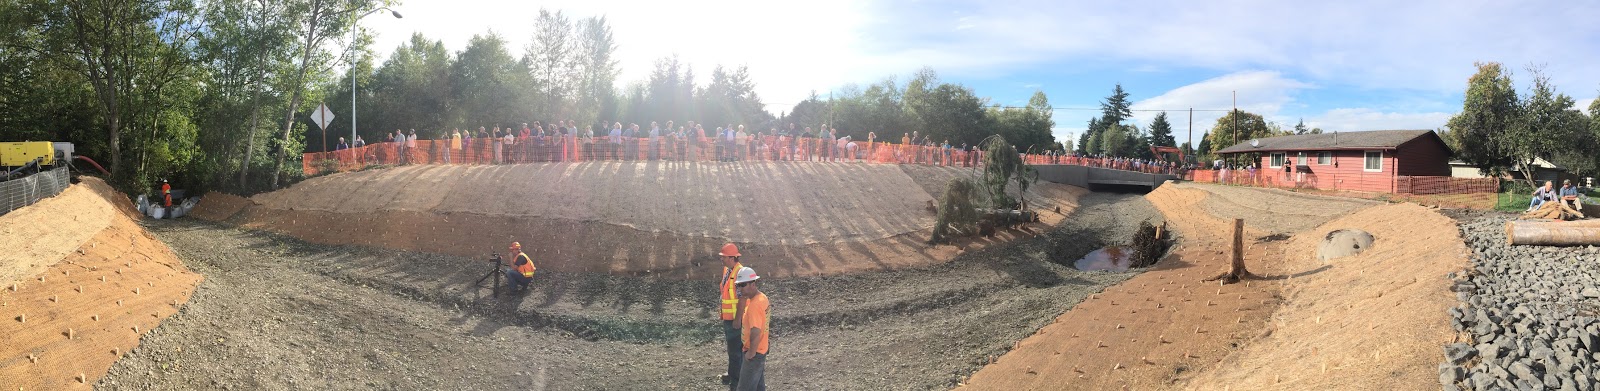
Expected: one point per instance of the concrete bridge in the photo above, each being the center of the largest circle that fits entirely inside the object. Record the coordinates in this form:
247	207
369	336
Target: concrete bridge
1087	177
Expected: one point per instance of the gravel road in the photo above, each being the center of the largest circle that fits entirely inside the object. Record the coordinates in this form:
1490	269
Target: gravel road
277	313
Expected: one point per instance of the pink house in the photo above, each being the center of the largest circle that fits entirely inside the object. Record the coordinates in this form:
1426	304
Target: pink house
1390	161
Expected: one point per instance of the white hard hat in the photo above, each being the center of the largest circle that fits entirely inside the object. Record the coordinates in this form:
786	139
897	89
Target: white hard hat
746	274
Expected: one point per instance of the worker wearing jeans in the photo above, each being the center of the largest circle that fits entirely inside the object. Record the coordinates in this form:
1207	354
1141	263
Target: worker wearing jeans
753	332
730	311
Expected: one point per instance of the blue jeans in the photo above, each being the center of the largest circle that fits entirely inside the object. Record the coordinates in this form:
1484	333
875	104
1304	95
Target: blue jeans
516	280
754	375
1535	203
735	341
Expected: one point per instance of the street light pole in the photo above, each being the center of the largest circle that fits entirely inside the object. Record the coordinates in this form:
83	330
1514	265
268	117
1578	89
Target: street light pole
354	26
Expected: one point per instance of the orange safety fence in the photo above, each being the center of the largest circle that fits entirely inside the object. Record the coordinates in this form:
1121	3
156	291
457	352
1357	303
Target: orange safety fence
1368	182
604	148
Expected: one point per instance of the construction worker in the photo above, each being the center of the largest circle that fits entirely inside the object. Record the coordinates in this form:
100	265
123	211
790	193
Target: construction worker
753	320
730	310
166	193
520	272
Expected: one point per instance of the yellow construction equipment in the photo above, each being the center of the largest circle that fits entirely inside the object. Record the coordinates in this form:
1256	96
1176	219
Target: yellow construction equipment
17	154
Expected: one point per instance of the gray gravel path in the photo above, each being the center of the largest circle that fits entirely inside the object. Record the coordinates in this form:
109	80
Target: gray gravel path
1529	315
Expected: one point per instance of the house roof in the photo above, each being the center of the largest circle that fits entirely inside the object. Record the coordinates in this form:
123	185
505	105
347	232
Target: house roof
1372	139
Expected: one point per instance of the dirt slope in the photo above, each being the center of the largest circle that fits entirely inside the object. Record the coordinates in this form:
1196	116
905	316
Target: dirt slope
805	219
92	305
36	237
1372	321
1162	327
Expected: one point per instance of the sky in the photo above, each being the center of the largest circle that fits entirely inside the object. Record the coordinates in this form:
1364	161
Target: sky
1340	66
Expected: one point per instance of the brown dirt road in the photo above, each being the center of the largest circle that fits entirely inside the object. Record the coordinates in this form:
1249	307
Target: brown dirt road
81	314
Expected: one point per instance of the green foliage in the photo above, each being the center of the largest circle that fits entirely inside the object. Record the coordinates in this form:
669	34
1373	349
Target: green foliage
1161	131
958	211
1003	168
1489	110
1119	141
1249	126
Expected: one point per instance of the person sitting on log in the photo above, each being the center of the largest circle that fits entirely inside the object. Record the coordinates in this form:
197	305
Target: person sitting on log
1569	195
1541	195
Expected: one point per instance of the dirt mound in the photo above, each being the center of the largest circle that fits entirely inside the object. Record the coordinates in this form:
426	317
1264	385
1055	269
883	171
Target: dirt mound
1372	321
91	304
801	219
35	237
1160	328
217	206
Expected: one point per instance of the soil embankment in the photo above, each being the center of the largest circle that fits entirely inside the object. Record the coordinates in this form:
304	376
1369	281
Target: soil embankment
66	324
634	218
1375	320
1164	326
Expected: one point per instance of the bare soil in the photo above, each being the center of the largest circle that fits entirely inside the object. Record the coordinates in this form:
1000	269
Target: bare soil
1375	320
36	237
276	312
1372	321
801	219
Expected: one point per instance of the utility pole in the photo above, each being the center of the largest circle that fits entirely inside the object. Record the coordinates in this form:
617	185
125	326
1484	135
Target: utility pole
1194	149
1235	114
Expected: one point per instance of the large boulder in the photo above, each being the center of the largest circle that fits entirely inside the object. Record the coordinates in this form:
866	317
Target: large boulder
1343	243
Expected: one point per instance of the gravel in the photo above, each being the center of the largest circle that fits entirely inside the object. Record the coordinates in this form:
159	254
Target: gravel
278	313
1529	314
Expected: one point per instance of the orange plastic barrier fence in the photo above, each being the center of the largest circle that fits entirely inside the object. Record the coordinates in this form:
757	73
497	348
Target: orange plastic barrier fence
1376	182
604	148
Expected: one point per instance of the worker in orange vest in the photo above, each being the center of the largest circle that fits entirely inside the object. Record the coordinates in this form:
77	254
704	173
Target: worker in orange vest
753	320
166	193
730	310
520	271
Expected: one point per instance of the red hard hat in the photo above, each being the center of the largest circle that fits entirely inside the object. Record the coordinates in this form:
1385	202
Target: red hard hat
729	250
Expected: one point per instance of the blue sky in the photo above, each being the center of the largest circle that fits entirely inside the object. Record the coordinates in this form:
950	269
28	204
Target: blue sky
1344	66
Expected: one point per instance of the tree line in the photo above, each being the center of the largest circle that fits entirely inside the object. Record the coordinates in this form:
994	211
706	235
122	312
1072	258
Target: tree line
1500	131
217	94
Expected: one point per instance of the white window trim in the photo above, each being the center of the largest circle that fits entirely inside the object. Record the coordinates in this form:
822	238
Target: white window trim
1272	158
1364	161
1324	153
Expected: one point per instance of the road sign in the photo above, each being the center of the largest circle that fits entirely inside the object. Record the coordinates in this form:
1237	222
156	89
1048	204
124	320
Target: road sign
322	116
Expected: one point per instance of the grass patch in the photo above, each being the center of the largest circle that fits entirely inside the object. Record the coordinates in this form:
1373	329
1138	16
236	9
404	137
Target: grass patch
1512	202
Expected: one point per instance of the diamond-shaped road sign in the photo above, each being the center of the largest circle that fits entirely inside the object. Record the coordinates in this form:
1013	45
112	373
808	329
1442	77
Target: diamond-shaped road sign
322	116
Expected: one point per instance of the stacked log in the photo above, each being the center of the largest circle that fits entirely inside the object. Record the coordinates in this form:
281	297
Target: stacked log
1553	232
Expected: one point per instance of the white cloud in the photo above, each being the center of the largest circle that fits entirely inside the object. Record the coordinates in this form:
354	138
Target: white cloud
1583	105
793	49
1260	92
1360	119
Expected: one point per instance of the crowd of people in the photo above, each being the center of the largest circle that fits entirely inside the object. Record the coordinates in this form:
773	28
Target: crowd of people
566	141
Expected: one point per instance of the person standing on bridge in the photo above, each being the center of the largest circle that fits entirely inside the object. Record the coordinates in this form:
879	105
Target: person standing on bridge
730	314
753	320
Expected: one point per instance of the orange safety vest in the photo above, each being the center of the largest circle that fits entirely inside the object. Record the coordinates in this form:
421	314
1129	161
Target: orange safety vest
526	267
730	299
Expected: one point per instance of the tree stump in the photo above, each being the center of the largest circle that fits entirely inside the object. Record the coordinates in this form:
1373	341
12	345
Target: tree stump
1237	271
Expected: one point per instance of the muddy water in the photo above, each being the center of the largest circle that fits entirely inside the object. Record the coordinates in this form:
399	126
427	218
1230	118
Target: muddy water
1113	258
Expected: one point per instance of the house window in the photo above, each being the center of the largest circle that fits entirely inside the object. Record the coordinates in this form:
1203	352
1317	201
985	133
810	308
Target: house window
1374	161
1324	158
1278	158
1300	159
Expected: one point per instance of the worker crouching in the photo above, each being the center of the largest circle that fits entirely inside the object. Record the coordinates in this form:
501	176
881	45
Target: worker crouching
520	272
753	332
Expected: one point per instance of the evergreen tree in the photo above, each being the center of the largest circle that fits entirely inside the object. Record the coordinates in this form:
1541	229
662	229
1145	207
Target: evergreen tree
1300	128
1161	131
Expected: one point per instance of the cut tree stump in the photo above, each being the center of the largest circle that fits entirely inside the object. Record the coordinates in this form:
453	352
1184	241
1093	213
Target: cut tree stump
1237	271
